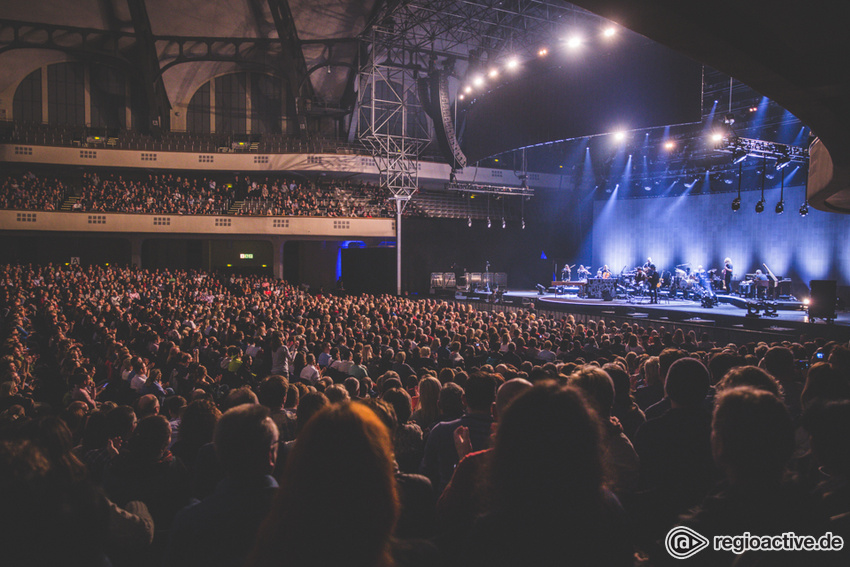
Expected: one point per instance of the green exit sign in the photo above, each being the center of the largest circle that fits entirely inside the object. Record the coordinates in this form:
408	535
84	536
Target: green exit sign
246	256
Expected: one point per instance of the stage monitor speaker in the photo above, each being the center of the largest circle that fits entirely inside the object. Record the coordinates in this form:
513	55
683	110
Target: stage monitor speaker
822	302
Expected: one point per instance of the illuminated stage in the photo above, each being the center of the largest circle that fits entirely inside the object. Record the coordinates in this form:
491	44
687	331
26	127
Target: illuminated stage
725	321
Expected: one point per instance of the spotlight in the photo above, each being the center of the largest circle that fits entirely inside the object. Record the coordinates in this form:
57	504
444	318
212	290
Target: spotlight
523	224
736	204
760	206
729	119
574	42
807	301
504	224
647	188
468	89
804	209
739	155
780	207
754	108
512	63
469	222
782	162
609	32
478	81
543	52
493	73
489	224
716	137
619	136
461	96
669	145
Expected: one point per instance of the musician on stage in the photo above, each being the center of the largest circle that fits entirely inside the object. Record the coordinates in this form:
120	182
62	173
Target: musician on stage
647	264
652	279
583	273
761	283
604	272
727	275
566	273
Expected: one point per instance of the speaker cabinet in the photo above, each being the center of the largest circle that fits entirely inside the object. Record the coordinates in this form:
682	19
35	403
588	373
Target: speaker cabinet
822	302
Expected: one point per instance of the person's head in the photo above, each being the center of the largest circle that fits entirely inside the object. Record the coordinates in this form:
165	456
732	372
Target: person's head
750	376
824	383
239	396
147	405
150	439
246	441
547	454
342	462
752	436
687	383
450	402
667	357
622	386
480	392
722	362
336	393
597	387
272	392
173	407
400	401
309	405
352	386
507	393
198	423
779	363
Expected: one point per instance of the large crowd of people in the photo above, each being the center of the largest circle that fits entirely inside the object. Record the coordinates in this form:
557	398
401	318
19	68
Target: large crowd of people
190	418
181	194
32	193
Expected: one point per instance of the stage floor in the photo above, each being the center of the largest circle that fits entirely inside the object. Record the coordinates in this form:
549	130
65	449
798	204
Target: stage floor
723	315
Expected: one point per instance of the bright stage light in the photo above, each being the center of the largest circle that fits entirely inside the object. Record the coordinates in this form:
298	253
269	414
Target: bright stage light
807	301
493	73
468	89
461	97
543	52
478	81
609	32
574	42
669	145
512	63
619	136
716	137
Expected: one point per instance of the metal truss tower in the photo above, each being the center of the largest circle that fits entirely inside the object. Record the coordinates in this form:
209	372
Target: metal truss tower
391	121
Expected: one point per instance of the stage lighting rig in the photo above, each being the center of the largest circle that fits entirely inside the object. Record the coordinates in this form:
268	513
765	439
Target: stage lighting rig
760	206
804	209
739	155
736	204
780	207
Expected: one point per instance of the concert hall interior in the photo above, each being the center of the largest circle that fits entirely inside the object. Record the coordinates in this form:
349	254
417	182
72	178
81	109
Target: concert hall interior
422	283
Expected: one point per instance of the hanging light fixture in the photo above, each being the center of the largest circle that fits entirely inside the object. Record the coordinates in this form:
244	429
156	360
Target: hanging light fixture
760	204
736	203
780	206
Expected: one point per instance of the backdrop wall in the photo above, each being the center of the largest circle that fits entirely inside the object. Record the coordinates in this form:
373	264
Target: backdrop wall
703	229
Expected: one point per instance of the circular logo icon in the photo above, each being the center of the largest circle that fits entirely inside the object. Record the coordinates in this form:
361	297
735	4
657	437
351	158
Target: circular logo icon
683	542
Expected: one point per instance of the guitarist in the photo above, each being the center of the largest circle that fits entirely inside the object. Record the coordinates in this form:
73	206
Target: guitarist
566	273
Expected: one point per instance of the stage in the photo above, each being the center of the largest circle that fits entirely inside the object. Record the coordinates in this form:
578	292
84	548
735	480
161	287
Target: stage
729	320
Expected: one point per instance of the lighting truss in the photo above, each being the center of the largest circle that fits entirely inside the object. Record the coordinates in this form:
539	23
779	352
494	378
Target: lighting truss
491	189
763	149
